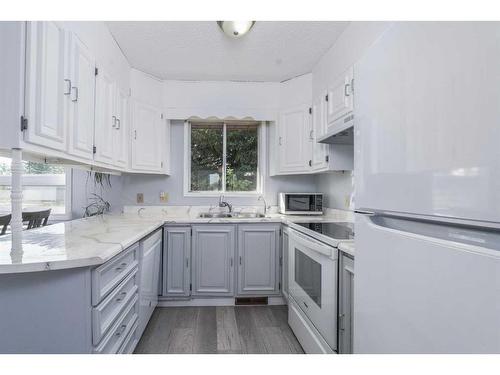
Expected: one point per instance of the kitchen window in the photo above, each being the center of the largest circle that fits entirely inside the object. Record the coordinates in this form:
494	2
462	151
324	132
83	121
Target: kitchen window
223	157
44	186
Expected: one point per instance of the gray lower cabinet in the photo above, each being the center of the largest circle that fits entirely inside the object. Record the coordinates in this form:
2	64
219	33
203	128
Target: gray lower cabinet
213	250
258	259
177	261
284	261
346	299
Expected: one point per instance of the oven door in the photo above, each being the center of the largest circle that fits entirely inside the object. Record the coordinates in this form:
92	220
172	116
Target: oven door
313	283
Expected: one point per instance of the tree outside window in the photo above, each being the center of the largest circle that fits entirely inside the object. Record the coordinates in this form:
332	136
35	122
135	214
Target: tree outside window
224	157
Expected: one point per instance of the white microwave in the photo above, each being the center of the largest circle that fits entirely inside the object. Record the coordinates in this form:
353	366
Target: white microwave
300	203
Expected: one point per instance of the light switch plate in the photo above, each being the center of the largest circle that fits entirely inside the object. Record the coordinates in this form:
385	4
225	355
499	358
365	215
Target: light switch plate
163	197
140	198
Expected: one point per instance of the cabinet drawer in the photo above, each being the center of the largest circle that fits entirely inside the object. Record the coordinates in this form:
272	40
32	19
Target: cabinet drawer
107	276
130	341
108	310
116	336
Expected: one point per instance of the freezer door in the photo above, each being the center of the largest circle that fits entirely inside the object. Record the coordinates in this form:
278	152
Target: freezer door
427	121
419	294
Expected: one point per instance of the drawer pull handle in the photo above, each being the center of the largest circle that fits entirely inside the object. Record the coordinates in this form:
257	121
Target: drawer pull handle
121	267
121	296
120	331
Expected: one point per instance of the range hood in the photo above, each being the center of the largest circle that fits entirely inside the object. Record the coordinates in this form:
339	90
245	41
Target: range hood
340	132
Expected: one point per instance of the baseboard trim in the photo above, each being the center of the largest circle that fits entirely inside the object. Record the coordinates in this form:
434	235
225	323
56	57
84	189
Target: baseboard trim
200	302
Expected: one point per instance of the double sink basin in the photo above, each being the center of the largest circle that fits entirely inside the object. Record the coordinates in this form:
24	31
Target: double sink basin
230	215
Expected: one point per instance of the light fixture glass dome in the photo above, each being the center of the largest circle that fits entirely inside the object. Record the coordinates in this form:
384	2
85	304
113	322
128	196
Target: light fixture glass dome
235	29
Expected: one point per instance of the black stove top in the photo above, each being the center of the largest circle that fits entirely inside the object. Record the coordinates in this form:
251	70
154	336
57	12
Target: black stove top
338	231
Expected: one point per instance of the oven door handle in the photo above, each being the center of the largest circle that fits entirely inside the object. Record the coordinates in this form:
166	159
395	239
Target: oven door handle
312	244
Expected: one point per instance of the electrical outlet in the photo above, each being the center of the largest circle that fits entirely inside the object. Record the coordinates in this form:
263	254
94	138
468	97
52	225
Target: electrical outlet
140	198
163	197
347	201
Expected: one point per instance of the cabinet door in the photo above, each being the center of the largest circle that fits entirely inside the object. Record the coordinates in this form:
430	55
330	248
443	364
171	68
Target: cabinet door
284	262
294	143
105	118
177	261
319	150
340	96
149	273
122	135
81	112
47	84
147	138
258	259
346	304
213	260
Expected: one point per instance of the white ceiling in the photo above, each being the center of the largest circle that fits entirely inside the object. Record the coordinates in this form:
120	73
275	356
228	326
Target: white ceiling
272	51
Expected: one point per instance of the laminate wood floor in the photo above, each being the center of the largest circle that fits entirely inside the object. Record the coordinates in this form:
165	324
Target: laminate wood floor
219	330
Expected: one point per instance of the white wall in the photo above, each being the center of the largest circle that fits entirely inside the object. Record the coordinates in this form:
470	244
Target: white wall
96	36
151	185
296	91
146	88
83	187
258	100
349	47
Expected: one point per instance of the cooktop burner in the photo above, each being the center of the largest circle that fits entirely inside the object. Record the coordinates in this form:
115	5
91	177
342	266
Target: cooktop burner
338	231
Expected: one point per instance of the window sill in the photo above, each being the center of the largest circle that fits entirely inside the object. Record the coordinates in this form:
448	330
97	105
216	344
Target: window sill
254	194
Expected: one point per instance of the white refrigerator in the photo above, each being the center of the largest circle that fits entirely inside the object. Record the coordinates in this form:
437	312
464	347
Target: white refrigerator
427	180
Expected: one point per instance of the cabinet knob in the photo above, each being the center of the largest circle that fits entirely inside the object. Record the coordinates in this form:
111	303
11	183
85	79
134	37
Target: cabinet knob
75	96
122	295
68	87
120	330
346	87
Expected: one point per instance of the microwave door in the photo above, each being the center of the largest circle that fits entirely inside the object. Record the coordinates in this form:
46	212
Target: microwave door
298	203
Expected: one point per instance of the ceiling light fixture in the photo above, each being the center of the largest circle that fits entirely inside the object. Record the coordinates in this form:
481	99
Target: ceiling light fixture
235	29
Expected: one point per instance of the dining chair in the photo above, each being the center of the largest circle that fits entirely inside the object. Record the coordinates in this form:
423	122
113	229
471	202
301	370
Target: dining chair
36	219
4	223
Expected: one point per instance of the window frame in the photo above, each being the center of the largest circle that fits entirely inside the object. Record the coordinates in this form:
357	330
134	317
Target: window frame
42	180
261	163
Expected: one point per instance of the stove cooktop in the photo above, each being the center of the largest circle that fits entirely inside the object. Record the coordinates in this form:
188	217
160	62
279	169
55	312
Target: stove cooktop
337	231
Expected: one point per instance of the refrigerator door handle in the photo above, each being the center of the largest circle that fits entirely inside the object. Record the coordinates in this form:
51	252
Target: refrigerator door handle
474	239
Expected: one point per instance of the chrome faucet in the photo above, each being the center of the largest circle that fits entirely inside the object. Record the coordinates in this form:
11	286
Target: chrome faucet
223	203
261	198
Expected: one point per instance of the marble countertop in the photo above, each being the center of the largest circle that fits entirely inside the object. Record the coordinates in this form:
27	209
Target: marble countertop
93	241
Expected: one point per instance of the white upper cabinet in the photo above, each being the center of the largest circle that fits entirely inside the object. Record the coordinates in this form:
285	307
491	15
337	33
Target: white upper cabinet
294	140
81	100
112	135
340	99
121	136
148	138
48	85
105	118
319	150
